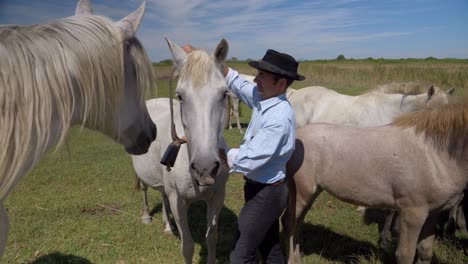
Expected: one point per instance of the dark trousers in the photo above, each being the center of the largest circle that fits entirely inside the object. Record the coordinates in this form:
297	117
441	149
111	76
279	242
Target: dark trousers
258	224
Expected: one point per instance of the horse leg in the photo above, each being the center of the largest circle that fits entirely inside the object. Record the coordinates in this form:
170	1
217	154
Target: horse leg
230	119
227	117
214	207
411	223
3	228
235	109
145	218
460	214
229	111
385	233
448	230
294	216
461	220
166	212
456	220
361	209
424	248
179	211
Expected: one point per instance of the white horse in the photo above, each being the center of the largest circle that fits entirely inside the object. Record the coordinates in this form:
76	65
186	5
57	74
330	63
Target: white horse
318	104
85	70
379	106
198	173
416	166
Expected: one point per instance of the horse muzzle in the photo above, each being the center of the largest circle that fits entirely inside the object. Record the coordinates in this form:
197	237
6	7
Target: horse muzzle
205	176
143	141
205	180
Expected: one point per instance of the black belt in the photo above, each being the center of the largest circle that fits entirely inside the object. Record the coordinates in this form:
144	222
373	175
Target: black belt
264	184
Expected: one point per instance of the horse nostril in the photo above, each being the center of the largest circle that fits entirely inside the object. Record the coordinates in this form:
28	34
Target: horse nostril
214	171
192	165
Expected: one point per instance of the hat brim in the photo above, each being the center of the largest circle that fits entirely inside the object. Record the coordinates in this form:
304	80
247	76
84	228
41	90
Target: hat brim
265	66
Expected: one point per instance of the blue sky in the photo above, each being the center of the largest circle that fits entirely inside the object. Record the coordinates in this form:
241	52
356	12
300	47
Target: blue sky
307	29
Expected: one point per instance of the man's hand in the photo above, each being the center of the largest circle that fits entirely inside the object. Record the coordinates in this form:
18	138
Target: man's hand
187	48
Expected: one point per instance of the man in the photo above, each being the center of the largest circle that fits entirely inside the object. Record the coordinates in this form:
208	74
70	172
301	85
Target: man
267	145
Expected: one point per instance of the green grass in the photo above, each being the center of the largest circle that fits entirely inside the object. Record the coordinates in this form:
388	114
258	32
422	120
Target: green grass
78	205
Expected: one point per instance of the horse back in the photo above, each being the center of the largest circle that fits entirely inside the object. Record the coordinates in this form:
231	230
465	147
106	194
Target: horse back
319	104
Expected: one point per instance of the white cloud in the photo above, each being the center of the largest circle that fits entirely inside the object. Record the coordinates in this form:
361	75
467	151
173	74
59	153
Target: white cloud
302	28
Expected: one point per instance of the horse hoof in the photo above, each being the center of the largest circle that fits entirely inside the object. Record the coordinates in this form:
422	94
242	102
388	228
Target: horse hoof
146	220
361	209
168	230
383	245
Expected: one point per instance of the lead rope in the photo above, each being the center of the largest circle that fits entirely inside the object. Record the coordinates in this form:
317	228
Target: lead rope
172	150
171	105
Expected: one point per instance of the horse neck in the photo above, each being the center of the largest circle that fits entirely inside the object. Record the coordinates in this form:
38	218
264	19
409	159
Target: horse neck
413	102
289	92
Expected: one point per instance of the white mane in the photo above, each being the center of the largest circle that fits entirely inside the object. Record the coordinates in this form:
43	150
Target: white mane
48	70
199	65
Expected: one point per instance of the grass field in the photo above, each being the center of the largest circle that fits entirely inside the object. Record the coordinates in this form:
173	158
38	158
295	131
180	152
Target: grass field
78	204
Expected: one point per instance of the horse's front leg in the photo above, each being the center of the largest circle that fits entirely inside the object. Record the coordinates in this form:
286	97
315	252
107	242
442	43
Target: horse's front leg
298	206
289	228
179	208
145	218
236	115
426	240
166	213
3	228
214	207
385	236
411	223
461	218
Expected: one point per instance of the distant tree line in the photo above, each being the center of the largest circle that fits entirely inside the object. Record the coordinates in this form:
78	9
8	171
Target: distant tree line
342	58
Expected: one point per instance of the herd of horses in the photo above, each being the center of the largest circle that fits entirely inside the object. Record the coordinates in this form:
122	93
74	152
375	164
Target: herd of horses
401	147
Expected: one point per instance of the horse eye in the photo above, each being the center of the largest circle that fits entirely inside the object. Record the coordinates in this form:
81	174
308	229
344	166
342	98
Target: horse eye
179	97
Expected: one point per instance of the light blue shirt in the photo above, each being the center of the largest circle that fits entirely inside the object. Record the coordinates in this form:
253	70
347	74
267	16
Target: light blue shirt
269	139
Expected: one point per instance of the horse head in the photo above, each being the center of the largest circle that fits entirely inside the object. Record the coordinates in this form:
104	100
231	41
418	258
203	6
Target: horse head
128	121
202	93
433	97
437	96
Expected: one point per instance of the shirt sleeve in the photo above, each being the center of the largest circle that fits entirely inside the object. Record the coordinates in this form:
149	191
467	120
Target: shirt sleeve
243	89
269	142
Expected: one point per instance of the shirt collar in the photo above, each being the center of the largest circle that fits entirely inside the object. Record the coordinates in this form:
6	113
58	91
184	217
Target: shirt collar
270	102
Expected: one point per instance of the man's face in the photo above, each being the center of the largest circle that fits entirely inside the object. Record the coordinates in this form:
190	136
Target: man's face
267	86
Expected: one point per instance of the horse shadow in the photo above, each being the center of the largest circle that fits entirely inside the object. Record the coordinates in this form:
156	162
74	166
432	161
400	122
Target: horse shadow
227	226
378	216
57	257
320	240
243	125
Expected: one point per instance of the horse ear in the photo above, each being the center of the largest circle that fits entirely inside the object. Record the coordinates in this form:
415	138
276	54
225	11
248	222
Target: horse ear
178	54
430	92
130	23
221	51
83	8
450	91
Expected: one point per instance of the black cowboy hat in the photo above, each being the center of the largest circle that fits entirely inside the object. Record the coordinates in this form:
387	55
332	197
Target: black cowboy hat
278	63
